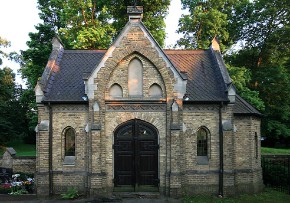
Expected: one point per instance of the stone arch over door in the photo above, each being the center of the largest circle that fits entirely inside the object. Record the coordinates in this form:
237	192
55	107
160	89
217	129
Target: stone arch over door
136	156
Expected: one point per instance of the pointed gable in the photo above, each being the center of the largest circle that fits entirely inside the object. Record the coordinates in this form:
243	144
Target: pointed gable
135	38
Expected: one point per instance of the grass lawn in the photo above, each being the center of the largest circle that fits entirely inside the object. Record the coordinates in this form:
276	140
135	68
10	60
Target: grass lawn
21	148
274	151
268	196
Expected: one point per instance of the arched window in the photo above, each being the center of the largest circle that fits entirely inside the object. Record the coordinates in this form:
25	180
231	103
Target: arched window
155	91
256	146
116	91
135	78
69	142
202	142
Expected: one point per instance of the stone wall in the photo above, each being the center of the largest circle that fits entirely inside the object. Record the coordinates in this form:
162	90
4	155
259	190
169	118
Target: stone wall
24	164
64	175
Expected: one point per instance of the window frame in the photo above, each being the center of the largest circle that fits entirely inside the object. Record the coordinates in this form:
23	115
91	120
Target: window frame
204	155
135	90
69	157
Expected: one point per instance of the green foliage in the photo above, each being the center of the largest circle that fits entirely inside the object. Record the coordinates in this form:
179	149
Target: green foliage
7	130
72	193
241	78
34	59
16	112
3	43
264	28
94	24
153	17
274	151
22	148
206	19
261	20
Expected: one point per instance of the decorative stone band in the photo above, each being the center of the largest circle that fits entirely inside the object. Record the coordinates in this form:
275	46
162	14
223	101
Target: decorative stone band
84	173
136	107
196	172
69	108
201	108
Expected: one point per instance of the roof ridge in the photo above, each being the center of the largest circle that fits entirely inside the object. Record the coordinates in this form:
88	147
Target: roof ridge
184	51
85	50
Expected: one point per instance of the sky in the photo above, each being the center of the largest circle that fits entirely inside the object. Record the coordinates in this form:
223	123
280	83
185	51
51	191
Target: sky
18	18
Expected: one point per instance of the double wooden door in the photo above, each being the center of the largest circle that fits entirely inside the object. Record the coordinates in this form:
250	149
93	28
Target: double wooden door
136	155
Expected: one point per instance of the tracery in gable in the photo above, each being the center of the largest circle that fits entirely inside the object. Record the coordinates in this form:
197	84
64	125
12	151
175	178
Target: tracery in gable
135	77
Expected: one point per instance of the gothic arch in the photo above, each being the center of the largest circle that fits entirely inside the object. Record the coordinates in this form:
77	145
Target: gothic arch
116	91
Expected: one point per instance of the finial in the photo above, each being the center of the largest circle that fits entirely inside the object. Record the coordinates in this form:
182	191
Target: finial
135	12
215	44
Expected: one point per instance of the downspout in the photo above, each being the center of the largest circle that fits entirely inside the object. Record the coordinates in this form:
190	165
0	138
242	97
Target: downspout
168	151
50	152
88	152
221	146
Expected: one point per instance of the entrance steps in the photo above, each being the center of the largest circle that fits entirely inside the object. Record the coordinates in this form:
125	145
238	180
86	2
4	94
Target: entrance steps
137	195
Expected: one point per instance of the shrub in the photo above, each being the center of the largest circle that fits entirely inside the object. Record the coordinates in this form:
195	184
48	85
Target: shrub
72	193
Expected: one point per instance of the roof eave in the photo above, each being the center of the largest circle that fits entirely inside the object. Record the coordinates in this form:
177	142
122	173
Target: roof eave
64	102
206	101
249	114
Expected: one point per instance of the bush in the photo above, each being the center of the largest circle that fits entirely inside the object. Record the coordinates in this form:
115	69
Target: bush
72	193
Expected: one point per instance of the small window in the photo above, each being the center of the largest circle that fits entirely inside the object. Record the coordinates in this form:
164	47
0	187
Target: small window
116	91
135	78
70	142
201	142
202	146
155	91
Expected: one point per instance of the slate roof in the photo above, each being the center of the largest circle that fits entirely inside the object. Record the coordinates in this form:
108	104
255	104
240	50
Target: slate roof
205	82
243	107
67	85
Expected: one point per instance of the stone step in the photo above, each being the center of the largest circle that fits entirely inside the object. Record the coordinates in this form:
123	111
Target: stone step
136	195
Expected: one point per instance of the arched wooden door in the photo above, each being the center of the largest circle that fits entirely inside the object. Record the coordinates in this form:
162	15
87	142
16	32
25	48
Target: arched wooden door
136	156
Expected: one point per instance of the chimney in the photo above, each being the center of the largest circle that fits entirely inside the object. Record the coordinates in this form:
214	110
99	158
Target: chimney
135	13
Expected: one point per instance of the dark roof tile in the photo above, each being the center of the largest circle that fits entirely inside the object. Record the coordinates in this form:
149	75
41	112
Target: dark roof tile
243	107
67	85
205	81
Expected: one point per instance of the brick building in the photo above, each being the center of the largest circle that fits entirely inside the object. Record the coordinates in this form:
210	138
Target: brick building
137	118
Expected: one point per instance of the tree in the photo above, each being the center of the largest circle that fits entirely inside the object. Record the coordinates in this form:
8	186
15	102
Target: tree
3	43
34	59
241	78
264	29
206	19
15	116
87	24
7	130
80	24
153	17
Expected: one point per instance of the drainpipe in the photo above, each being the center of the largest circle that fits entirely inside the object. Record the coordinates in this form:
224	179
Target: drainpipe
168	129
50	152
88	152
221	145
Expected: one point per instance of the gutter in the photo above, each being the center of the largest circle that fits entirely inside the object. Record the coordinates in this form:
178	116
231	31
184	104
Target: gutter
221	153
50	175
